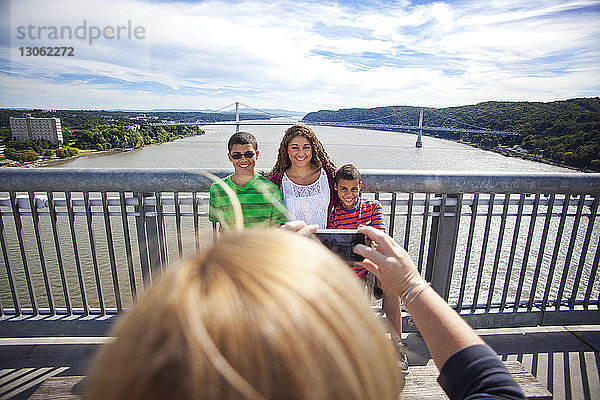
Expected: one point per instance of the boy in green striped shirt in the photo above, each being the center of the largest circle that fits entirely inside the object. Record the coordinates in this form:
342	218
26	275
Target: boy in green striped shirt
261	200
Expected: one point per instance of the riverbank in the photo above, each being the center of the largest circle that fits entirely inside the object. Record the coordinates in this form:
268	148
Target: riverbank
83	153
52	161
512	153
49	162
503	150
509	152
110	138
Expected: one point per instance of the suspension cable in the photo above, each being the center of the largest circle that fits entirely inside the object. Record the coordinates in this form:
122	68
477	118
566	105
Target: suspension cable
264	112
222	108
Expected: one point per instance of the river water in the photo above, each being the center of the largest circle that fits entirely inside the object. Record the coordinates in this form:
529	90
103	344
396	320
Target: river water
363	148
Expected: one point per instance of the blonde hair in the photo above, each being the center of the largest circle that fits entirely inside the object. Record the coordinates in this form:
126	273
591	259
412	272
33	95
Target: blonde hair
260	315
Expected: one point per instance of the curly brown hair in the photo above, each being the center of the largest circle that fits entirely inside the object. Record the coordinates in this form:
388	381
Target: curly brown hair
320	158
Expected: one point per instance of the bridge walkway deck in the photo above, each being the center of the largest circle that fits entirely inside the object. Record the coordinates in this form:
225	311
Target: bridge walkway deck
566	359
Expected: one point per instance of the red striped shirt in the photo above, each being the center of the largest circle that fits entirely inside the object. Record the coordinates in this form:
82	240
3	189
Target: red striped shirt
365	212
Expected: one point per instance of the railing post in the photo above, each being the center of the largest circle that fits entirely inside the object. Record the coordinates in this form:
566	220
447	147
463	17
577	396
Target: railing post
147	232
442	244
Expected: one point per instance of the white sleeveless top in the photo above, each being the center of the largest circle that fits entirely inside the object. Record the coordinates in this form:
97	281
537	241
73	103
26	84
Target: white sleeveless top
308	203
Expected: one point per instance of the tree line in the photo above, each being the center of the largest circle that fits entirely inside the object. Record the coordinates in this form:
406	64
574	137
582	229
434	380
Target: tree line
88	130
565	132
85	119
113	136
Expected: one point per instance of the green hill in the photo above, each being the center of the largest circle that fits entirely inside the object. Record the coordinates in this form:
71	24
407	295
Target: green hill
565	132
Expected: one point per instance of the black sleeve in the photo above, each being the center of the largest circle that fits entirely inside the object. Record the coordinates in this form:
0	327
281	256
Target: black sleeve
476	372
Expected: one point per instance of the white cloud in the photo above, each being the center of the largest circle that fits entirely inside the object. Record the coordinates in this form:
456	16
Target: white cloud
311	56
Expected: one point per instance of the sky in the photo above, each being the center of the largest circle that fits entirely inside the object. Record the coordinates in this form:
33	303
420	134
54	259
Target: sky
296	55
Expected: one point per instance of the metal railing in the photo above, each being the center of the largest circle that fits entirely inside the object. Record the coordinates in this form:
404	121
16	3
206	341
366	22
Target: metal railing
503	249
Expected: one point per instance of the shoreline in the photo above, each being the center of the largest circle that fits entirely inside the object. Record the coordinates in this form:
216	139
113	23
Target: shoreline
84	153
48	162
538	159
507	153
502	151
40	163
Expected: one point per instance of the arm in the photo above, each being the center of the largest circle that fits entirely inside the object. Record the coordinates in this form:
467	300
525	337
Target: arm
299	227
475	372
461	355
278	210
377	216
212	212
443	330
331	221
334	200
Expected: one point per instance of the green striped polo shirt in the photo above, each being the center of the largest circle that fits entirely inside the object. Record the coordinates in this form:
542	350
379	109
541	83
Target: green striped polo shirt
261	200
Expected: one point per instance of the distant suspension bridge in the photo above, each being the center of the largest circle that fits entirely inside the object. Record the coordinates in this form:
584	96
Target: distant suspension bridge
364	124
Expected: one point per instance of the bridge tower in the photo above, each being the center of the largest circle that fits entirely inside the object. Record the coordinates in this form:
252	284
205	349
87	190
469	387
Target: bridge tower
237	116
419	143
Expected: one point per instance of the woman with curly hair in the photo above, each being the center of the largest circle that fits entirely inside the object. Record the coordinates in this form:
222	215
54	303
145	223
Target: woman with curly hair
304	172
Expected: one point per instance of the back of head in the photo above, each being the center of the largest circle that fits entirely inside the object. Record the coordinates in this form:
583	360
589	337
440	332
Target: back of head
260	315
242	138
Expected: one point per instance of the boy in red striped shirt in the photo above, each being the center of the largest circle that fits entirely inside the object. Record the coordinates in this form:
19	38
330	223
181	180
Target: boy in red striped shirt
352	211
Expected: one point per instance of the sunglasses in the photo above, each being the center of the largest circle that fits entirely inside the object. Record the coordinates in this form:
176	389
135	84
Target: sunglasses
237	156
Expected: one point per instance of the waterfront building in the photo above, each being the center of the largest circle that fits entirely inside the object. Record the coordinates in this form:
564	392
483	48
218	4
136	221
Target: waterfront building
30	128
